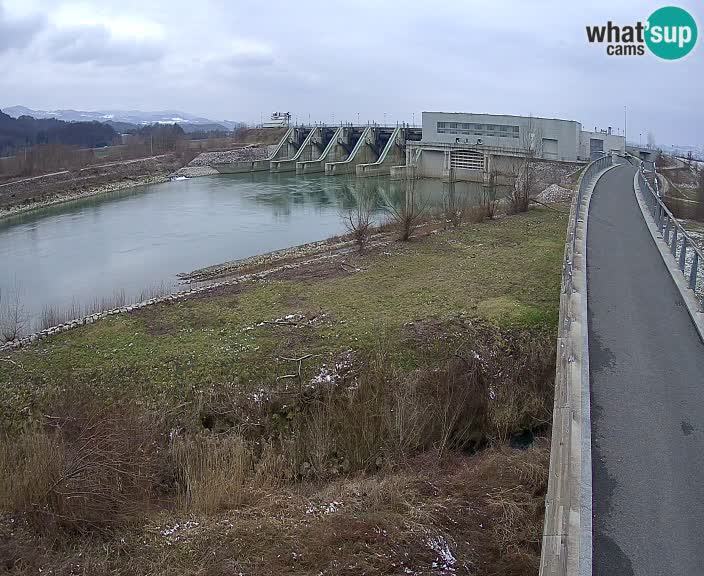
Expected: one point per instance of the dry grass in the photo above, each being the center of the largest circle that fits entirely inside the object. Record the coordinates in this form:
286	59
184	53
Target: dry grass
90	467
211	472
87	468
459	515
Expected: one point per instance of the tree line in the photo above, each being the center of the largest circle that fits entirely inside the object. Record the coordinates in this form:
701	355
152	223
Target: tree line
25	132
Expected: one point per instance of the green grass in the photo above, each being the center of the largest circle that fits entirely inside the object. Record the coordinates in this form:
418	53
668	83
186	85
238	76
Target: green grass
505	271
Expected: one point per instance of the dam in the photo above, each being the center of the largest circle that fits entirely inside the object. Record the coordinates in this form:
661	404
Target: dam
370	150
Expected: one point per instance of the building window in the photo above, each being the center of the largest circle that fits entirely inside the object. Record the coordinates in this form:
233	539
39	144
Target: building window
480	130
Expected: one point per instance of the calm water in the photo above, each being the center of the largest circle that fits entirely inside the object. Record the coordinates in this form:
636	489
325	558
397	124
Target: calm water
86	250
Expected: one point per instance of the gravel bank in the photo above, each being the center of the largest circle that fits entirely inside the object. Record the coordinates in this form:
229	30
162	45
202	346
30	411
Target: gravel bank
101	189
201	165
555	193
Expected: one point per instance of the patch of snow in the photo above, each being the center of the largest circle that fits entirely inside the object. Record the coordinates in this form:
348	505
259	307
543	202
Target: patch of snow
323	509
330	374
445	559
172	534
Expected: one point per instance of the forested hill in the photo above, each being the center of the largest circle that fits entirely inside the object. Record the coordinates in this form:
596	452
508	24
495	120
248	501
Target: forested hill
25	131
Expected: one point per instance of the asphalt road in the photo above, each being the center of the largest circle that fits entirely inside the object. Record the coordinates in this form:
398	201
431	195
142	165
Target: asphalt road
647	387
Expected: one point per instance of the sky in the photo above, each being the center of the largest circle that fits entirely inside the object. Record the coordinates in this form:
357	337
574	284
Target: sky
345	60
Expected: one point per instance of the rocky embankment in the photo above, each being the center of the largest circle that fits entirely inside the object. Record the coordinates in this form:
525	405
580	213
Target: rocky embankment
30	193
202	164
555	193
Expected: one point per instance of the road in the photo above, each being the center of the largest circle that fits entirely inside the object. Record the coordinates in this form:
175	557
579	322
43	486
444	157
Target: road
647	387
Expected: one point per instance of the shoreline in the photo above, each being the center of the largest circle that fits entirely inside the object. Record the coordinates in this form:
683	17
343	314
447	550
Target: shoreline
278	260
19	209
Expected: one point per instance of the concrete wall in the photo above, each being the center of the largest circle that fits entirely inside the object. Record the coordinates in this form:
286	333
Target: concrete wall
610	142
431	163
312	147
392	155
563	134
363	153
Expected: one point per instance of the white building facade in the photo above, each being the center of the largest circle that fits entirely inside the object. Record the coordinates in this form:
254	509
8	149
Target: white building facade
471	142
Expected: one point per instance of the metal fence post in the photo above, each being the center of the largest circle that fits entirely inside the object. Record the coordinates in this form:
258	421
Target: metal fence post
673	247
666	234
683	251
693	272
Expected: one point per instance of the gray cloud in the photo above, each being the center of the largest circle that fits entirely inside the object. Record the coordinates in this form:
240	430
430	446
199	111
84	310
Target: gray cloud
96	44
18	33
241	59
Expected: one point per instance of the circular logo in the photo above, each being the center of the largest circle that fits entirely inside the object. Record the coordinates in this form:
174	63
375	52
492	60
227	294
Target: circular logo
670	32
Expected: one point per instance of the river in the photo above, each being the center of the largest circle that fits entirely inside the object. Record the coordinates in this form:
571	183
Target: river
119	247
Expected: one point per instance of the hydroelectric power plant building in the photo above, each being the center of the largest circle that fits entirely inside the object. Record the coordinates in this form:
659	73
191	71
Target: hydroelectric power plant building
468	146
481	142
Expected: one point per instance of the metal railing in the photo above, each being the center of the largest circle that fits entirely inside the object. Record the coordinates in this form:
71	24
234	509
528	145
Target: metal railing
684	249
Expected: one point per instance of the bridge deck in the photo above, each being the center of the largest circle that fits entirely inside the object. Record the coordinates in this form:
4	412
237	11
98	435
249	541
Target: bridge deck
647	379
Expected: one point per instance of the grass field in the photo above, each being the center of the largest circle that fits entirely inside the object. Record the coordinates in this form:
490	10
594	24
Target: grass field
382	391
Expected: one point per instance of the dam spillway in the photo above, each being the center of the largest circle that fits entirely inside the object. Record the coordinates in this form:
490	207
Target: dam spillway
369	150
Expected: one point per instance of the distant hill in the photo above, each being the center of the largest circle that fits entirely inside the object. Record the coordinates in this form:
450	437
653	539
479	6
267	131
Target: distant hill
26	131
122	127
191	128
134	117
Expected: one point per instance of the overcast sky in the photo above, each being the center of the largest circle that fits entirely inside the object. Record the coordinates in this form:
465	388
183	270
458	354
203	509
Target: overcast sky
239	60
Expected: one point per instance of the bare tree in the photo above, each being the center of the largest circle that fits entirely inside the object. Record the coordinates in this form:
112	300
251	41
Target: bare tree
406	211
526	180
358	218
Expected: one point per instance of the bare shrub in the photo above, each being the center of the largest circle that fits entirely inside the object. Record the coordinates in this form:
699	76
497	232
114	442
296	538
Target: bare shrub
476	214
89	468
13	319
407	211
53	316
525	179
358	219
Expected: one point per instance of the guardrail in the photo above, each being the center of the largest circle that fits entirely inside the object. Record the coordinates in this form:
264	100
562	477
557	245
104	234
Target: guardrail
567	533
684	249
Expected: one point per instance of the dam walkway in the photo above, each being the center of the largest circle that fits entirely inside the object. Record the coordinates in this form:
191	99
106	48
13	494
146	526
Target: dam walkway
646	373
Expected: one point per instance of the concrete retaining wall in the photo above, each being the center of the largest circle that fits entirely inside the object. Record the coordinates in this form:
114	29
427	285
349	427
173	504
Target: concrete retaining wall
567	534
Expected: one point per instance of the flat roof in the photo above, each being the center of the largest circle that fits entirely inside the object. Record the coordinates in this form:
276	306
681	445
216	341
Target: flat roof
497	115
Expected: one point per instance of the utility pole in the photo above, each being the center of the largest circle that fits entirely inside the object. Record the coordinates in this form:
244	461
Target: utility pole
625	132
